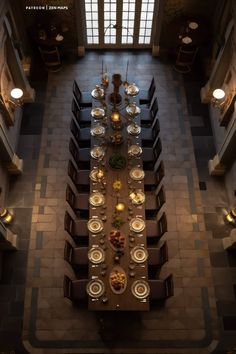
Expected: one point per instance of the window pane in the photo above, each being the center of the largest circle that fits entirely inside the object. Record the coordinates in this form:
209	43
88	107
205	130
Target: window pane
96	41
146	21
147	40
91	16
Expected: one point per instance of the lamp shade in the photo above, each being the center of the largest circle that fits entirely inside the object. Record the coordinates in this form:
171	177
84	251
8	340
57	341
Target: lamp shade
16	93
218	94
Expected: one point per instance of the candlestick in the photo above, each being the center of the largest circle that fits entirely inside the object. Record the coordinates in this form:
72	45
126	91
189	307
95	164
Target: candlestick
127	67
102	68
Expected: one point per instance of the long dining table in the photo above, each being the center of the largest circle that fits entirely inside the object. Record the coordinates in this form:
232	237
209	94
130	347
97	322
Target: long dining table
118	268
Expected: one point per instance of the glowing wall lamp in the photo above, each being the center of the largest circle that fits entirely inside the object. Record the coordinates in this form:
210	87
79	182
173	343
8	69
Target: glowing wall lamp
219	97
15	96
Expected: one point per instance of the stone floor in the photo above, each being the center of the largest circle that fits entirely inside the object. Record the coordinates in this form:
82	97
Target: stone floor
190	321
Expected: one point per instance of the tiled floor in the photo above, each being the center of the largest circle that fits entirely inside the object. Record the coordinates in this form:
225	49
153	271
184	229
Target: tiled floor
188	322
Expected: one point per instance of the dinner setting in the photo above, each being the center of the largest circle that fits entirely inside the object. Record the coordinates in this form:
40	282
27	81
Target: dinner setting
116	154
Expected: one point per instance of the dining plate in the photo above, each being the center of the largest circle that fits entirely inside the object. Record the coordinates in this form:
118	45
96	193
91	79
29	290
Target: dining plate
139	254
132	90
97	152
96	255
96	199
140	289
133	110
96	175
99	130
137	198
97	113
135	150
137	174
95	225
97	93
134	129
95	288
137	224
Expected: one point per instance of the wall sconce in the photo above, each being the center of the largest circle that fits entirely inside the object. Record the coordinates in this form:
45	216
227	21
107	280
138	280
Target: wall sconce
15	97
6	216
218	98
230	216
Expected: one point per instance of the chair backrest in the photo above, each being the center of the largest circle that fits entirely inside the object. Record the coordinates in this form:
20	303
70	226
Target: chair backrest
186	55
50	56
155	128
68	251
75	109
163	253
70	196
161	198
76	91
154	107
160	172
152	89
69	224
67	287
72	172
75	129
74	150
169	286
157	148
162	225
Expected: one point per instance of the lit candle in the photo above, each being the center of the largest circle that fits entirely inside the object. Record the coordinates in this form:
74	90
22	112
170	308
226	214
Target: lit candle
120	207
127	67
100	174
115	116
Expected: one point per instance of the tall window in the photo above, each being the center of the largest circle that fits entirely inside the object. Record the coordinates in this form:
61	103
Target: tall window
91	10
109	18
145	28
128	16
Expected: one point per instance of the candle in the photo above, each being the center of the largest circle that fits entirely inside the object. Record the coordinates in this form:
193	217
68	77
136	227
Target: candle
115	117
120	207
100	174
102	68
127	67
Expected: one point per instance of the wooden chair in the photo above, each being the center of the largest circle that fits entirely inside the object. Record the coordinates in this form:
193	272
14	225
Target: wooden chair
81	135
77	257
153	178
75	290
156	229
161	289
76	229
79	203
156	258
147	115
80	178
153	203
81	156
51	58
84	99
149	135
185	58
145	96
151	155
82	116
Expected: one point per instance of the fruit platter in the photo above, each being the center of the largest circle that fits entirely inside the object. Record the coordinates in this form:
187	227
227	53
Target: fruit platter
117	240
118	280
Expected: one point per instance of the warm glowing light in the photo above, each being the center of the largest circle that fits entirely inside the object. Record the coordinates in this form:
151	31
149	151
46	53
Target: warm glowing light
132	195
6	216
193	25
218	94
100	174
16	93
229	218
120	207
115	117
187	40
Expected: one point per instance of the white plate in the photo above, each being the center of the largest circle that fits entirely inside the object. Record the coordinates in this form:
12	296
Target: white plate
137	224
97	152
139	254
96	255
133	110
96	199
137	174
135	150
95	225
97	93
139	198
99	130
95	288
140	289
132	90
134	129
97	113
